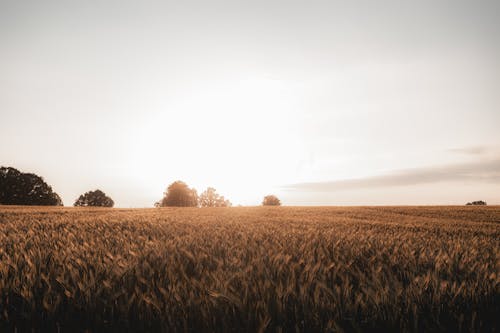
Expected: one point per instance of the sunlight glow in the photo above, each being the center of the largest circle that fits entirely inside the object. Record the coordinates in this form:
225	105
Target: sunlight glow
240	137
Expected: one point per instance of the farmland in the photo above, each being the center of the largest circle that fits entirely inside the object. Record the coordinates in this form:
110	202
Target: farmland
267	269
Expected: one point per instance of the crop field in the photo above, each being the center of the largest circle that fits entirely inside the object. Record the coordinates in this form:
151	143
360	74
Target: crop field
260	269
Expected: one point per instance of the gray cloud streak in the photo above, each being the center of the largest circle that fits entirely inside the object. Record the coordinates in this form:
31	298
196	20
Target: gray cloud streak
476	150
486	171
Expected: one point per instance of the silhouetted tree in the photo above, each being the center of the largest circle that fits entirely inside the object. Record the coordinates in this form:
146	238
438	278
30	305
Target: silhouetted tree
210	198
178	194
95	198
271	200
477	203
18	188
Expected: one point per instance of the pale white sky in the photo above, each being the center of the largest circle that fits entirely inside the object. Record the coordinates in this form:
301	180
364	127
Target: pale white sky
319	102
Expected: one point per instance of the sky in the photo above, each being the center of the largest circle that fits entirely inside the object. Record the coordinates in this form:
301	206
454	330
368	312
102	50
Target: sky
318	102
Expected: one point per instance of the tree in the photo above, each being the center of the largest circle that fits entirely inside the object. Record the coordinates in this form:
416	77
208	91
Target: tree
95	198
178	194
476	203
18	188
271	200
210	198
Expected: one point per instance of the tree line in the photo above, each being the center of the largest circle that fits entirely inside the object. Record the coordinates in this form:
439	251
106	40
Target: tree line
18	188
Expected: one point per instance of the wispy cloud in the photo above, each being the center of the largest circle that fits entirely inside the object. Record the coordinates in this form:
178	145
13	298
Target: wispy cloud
485	171
474	150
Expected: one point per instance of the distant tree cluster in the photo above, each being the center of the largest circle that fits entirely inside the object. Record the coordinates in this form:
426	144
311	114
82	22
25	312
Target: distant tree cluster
476	203
178	194
95	198
18	188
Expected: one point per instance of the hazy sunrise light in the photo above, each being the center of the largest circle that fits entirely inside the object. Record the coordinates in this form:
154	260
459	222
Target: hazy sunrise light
319	102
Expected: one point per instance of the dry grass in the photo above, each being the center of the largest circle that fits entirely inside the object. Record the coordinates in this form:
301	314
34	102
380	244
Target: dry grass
275	269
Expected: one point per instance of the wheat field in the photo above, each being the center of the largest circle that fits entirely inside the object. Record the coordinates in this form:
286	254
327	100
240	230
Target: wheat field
259	269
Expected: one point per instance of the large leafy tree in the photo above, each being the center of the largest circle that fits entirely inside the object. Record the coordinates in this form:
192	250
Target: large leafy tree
210	198
95	198
18	188
271	200
178	194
